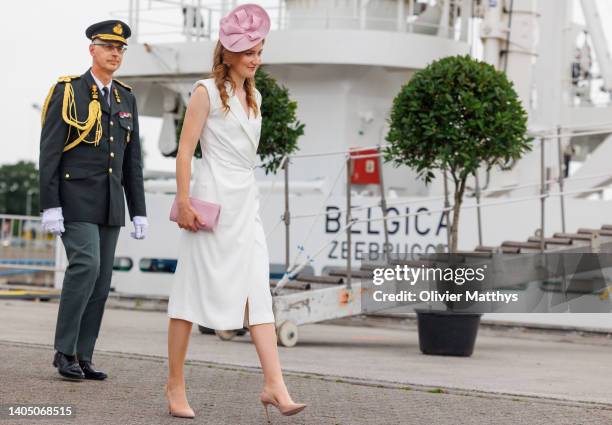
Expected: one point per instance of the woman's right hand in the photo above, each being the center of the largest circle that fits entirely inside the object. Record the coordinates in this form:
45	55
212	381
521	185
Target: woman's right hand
188	217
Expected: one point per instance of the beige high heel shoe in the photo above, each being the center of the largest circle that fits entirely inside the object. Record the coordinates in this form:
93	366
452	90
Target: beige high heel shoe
285	410
185	413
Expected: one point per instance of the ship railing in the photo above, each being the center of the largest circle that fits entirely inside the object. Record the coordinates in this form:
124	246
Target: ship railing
26	251
304	257
196	20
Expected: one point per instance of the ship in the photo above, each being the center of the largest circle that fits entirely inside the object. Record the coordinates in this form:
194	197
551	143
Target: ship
343	62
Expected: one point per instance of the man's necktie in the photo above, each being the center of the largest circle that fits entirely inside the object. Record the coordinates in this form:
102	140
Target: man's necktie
105	95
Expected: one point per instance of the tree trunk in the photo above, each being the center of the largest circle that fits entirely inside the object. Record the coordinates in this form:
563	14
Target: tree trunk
458	197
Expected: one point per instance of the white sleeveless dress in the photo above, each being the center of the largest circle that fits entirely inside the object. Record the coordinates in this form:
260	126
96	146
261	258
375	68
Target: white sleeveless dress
218	272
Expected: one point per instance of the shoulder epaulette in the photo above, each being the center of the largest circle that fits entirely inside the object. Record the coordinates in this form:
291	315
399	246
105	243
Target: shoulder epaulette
121	83
67	78
45	106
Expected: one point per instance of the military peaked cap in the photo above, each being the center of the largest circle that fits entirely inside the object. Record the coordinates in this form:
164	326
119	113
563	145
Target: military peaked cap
113	30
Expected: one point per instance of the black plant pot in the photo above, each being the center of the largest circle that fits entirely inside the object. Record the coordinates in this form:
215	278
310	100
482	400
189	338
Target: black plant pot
445	333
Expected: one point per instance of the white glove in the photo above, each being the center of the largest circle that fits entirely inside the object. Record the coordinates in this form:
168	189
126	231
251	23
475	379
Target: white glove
53	221
140	227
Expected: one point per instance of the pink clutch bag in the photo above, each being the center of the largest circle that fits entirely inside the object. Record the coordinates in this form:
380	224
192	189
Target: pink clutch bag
208	211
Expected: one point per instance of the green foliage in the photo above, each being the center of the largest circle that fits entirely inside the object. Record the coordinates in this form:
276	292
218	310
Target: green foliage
457	114
280	128
179	127
15	181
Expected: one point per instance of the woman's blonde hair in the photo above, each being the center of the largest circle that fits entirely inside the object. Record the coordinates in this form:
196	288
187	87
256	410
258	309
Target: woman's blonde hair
220	72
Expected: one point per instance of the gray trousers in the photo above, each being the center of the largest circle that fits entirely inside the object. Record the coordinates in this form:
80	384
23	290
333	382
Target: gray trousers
90	249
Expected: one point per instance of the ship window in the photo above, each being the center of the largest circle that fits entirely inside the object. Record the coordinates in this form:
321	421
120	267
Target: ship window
158	265
123	264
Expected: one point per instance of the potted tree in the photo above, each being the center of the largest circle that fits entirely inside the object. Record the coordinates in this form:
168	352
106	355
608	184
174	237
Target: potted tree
280	131
456	115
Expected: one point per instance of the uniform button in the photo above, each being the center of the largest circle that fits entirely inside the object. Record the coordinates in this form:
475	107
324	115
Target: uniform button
111	123
111	138
112	154
110	170
67	175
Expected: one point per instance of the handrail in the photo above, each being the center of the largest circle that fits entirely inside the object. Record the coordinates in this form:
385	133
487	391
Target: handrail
20	217
538	134
207	15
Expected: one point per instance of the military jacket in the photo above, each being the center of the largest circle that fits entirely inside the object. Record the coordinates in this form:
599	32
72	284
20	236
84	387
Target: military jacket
88	178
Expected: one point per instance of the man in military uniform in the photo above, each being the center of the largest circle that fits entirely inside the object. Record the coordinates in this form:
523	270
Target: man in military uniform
89	155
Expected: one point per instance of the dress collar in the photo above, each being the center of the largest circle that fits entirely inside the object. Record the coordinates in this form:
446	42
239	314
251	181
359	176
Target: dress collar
238	111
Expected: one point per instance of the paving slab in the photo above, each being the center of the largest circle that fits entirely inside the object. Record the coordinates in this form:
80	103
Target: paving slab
558	368
221	394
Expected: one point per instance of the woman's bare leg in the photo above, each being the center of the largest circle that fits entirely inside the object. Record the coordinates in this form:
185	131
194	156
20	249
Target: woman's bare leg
178	341
264	338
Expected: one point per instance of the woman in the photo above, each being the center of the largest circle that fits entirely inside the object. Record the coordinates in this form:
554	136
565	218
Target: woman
222	277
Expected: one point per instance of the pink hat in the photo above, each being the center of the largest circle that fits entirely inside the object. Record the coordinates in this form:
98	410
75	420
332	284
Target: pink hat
244	27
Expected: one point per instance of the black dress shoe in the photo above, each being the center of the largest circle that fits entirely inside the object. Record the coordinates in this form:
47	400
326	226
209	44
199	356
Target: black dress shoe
67	366
90	372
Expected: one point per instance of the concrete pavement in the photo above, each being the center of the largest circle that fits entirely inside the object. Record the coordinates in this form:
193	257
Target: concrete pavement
347	374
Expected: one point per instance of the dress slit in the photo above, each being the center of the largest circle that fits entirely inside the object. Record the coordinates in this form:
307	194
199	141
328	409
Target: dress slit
245	320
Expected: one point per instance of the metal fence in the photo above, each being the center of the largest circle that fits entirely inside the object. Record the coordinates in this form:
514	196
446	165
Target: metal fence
27	254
